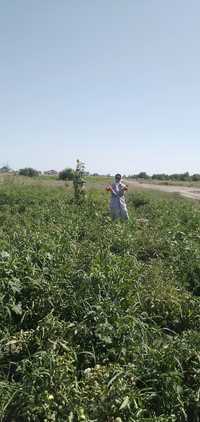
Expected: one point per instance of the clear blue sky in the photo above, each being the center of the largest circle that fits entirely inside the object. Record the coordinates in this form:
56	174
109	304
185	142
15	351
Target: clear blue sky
113	82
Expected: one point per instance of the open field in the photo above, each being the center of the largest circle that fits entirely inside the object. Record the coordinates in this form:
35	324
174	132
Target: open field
188	184
188	190
100	321
192	192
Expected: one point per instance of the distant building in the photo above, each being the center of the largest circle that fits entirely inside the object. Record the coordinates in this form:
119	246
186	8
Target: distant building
50	173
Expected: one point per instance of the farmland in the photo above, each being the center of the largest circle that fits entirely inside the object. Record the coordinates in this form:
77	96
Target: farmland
100	321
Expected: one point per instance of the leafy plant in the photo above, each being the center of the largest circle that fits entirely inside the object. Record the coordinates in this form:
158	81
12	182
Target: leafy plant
28	171
100	321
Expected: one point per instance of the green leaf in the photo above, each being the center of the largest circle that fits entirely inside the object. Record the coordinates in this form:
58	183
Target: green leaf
125	403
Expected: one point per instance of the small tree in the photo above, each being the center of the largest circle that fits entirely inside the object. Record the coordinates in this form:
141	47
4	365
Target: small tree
79	181
28	171
5	169
195	177
66	174
142	175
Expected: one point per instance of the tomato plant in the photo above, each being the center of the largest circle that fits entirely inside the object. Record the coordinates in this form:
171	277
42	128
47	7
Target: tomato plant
99	320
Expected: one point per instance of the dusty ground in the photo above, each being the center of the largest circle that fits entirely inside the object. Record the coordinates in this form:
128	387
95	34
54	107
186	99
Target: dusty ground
188	192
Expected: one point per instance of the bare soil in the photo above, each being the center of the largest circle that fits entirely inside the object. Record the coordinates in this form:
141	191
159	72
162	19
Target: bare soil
188	192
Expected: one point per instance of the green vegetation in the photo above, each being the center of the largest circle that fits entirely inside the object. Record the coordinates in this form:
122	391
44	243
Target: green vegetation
100	321
28	171
77	177
66	174
176	177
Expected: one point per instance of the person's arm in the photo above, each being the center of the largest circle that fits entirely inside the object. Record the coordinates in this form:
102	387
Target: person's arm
110	189
124	188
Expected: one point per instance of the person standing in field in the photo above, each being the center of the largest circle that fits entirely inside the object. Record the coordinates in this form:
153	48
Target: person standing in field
118	206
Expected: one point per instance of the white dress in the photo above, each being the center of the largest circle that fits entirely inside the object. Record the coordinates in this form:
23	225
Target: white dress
118	204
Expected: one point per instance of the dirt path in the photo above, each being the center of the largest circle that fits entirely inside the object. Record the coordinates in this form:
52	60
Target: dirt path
188	192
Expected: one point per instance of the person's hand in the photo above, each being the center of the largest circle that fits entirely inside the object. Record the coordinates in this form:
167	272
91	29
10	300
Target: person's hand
108	188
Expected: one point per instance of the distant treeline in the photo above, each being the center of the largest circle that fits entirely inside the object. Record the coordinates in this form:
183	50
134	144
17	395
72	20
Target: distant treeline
183	177
67	174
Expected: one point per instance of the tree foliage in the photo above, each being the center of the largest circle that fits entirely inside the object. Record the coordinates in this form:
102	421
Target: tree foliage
28	171
66	174
5	169
182	177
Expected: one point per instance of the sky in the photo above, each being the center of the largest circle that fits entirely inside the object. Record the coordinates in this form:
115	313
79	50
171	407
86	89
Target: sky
115	83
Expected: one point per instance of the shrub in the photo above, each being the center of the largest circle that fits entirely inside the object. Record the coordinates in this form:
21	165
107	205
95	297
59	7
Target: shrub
28	171
66	174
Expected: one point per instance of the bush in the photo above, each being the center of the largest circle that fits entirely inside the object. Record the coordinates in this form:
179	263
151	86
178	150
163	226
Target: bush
196	177
142	175
66	174
28	171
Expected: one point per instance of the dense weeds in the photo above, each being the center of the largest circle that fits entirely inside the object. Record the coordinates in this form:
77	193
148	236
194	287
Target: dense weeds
99	321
